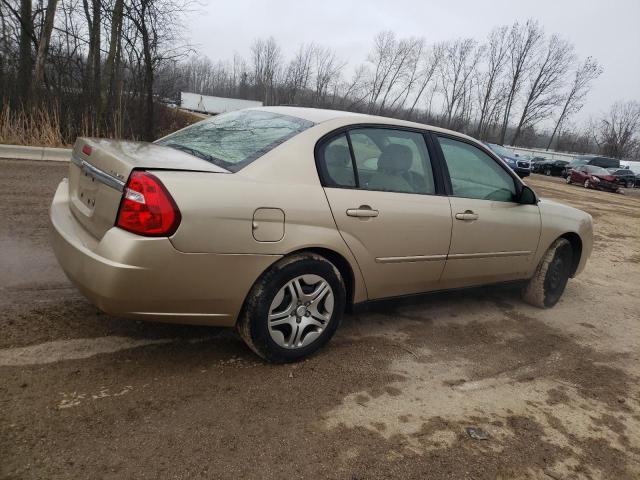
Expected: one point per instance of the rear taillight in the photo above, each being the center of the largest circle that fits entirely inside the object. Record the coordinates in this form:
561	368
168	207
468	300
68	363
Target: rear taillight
147	208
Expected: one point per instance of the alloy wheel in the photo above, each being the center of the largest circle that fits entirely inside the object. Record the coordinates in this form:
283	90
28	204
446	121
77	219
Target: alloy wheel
300	311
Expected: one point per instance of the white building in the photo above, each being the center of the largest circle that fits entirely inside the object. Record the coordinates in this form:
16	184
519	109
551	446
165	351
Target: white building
213	105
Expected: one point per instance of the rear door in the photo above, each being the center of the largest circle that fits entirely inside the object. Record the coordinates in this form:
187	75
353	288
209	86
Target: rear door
384	196
493	238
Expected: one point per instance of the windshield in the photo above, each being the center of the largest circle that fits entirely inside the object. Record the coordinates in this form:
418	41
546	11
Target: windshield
500	150
235	139
577	161
597	170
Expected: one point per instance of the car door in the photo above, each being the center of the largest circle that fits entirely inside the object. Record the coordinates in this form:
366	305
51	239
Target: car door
494	238
388	207
578	174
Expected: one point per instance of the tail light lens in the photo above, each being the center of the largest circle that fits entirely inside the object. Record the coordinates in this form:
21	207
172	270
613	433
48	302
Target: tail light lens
147	208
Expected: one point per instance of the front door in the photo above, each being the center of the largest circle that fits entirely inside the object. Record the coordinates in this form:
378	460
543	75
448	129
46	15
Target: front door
493	238
380	186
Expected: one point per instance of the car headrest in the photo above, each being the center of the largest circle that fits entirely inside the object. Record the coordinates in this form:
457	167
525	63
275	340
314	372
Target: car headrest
395	158
337	156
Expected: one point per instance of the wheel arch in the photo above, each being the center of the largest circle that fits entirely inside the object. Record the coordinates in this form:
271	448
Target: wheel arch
576	247
343	266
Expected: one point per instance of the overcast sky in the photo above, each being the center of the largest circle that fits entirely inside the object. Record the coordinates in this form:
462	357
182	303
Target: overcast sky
608	30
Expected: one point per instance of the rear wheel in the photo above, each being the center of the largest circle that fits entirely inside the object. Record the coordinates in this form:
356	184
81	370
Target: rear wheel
550	279
293	309
587	183
630	184
568	179
547	172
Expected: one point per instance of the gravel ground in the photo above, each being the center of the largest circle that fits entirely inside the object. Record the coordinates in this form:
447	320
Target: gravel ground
86	395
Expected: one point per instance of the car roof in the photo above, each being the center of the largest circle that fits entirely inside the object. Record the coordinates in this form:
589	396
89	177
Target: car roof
320	115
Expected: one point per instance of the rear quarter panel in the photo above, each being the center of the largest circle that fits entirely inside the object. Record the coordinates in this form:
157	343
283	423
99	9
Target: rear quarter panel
218	209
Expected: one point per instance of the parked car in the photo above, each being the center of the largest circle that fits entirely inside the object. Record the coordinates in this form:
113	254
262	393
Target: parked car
624	176
522	167
552	167
591	176
275	220
535	162
604	162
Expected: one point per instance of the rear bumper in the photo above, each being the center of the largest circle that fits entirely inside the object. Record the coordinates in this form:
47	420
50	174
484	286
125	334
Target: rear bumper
147	278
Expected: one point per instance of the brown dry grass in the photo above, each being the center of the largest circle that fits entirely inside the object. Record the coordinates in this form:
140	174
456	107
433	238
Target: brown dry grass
42	126
37	126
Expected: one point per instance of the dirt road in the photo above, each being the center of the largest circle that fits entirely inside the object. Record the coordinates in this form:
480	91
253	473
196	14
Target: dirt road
85	395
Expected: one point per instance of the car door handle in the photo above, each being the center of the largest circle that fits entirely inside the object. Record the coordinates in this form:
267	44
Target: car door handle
362	211
467	215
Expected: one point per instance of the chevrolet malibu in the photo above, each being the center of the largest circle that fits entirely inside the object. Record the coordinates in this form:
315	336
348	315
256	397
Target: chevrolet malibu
277	220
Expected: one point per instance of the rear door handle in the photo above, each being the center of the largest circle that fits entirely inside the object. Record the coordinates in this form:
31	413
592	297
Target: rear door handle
362	211
467	215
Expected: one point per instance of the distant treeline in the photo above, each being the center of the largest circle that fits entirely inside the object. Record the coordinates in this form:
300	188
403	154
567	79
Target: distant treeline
103	67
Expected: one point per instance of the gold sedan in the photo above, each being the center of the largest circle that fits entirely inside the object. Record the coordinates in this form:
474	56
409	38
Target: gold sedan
276	220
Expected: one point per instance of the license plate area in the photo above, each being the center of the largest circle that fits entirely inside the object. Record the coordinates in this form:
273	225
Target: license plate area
87	189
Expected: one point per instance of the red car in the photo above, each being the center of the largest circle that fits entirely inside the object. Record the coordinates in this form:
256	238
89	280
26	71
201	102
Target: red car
591	176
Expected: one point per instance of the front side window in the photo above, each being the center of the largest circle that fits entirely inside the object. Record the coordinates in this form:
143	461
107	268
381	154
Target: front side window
235	139
474	174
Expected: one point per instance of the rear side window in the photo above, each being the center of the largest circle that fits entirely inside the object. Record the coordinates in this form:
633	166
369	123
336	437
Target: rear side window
235	139
384	159
337	159
474	174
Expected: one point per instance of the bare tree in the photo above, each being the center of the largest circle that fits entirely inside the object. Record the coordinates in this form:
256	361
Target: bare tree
576	94
618	132
547	76
43	46
267	64
460	58
327	70
429	65
299	72
496	56
523	40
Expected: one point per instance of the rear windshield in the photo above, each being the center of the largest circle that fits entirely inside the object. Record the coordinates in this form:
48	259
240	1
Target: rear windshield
235	139
605	162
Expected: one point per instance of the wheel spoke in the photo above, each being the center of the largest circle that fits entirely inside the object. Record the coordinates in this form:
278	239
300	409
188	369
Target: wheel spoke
281	321
319	292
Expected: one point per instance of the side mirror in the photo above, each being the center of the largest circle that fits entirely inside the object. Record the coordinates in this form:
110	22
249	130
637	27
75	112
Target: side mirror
527	196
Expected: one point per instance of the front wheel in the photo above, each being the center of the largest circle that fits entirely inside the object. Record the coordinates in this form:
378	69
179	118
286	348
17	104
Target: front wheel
568	180
547	172
293	309
587	184
629	184
550	279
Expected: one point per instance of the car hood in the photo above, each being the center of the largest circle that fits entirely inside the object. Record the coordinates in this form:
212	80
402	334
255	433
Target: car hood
608	178
556	208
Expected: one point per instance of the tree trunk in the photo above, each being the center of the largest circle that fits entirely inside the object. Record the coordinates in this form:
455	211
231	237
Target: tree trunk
111	65
26	60
148	129
43	46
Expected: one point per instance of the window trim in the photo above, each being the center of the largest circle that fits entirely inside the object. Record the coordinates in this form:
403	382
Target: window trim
516	180
436	167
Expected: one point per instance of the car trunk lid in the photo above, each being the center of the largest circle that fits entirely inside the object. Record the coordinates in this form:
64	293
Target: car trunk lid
99	171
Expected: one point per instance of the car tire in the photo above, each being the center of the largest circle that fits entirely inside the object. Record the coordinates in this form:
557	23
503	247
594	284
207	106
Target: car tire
629	185
587	183
550	278
568	180
547	172
284	291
